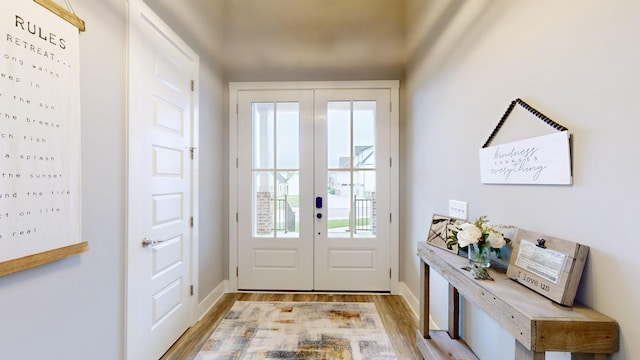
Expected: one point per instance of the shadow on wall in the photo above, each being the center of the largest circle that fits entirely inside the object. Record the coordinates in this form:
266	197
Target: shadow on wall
443	27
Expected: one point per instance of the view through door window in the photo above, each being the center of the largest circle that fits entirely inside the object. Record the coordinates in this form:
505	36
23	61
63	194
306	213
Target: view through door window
351	177
276	169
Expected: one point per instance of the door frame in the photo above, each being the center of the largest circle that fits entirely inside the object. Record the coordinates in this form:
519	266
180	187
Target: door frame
392	85
133	238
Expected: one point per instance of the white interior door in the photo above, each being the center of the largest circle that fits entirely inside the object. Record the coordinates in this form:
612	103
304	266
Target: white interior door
313	189
162	122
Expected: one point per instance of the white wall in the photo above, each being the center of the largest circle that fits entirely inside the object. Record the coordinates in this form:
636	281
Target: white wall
73	308
575	61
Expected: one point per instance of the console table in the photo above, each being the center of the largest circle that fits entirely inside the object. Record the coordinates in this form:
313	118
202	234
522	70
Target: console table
537	323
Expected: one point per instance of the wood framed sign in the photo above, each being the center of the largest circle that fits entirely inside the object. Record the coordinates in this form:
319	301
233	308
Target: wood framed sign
40	176
549	266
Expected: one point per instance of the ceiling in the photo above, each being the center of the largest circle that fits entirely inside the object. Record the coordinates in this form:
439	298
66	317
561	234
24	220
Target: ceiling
260	40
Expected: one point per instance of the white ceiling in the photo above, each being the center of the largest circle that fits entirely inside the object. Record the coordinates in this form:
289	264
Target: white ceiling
259	40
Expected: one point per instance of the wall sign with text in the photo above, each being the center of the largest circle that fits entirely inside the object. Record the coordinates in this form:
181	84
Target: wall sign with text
40	175
538	160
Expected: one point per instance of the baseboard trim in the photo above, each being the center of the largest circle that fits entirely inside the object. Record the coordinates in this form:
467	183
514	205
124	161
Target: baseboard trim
410	299
414	304
212	298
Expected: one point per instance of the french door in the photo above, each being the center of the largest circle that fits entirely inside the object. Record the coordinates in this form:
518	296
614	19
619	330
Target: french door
314	189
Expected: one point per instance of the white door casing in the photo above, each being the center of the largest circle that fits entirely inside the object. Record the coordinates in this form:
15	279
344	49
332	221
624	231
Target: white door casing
384	255
162	186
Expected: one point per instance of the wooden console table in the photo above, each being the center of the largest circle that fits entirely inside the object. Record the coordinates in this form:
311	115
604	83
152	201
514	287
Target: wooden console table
537	323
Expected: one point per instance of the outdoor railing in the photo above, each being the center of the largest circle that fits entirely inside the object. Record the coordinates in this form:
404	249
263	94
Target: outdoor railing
362	212
285	216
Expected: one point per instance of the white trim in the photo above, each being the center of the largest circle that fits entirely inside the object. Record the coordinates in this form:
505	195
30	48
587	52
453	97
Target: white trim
410	298
312	85
233	188
392	85
195	184
212	299
394	172
414	304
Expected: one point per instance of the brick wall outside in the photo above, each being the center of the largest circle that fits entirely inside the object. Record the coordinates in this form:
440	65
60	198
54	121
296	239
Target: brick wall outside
264	213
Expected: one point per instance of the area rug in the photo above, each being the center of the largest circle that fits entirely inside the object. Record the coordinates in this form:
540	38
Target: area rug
299	330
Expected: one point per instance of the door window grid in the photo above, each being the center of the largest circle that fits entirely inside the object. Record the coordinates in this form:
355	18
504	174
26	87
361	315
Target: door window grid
352	169
275	168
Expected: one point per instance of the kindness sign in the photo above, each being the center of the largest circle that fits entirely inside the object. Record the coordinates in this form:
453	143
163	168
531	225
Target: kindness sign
539	160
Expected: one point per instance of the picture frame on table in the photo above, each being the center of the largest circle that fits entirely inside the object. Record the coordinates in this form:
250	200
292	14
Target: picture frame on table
439	231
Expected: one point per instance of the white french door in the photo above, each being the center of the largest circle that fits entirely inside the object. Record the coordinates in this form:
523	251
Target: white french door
314	189
275	167
352	172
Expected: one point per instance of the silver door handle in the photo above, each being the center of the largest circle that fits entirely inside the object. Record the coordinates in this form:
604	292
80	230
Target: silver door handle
148	242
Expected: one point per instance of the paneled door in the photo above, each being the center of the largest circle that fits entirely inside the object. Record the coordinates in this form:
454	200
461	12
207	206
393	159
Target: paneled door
314	189
352	176
161	189
275	166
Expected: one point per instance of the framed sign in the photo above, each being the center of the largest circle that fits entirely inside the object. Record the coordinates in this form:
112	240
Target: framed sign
40	180
440	230
549	266
544	159
541	160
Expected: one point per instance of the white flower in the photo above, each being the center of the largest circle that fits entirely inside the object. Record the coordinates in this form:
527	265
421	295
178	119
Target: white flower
469	234
496	240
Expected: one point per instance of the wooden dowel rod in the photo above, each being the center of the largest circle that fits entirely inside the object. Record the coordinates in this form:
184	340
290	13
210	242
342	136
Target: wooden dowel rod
63	13
30	261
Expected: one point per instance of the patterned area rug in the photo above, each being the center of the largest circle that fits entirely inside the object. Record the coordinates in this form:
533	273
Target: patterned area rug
299	330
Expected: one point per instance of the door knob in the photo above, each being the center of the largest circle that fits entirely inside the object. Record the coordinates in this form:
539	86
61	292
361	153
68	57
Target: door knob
146	242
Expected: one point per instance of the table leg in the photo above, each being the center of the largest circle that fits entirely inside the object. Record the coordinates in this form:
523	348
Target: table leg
424	300
454	313
522	353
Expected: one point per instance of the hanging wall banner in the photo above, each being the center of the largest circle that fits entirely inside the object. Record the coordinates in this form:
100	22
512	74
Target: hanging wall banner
539	160
40	177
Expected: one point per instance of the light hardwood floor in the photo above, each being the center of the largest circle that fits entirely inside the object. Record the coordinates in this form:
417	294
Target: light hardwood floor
397	317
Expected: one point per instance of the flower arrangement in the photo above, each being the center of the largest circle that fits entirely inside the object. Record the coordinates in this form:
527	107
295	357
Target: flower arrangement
480	232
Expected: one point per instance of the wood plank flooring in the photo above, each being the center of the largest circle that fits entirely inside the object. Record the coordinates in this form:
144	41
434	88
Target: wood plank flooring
398	319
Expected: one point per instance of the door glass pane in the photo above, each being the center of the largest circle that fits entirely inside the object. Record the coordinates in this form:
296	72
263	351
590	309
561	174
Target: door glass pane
263	204
339	134
262	117
364	204
351	135
275	142
339	204
288	135
364	134
287	210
